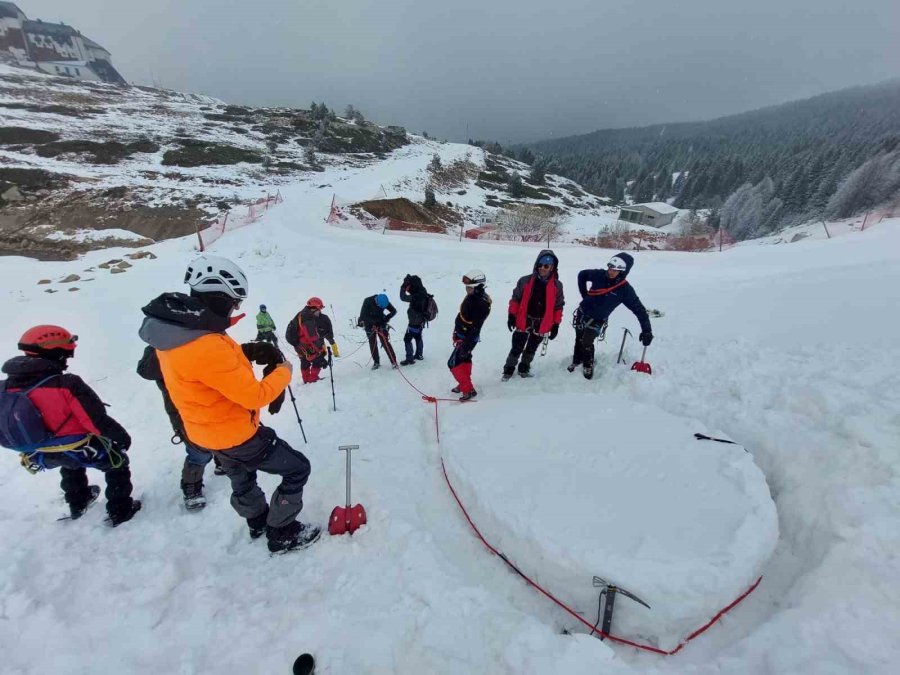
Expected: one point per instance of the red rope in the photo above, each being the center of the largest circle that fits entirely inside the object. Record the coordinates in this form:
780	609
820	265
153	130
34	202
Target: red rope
570	611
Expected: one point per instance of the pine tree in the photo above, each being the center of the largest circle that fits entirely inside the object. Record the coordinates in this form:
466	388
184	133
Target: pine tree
515	186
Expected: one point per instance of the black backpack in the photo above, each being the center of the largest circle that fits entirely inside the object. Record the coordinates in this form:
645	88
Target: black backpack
431	309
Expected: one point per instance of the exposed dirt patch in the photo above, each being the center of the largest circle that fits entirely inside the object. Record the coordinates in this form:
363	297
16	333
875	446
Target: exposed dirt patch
399	208
54	109
99	152
201	153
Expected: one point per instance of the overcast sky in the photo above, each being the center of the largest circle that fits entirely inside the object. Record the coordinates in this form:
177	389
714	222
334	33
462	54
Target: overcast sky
509	70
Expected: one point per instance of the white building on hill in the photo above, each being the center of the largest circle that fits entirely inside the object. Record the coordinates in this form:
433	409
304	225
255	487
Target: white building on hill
53	48
655	214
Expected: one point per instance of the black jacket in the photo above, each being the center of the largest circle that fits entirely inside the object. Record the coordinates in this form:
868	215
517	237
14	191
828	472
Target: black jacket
413	292
372	316
473	312
605	294
317	329
66	397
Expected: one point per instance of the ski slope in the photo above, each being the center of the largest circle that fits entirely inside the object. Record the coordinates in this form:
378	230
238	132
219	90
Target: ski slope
790	350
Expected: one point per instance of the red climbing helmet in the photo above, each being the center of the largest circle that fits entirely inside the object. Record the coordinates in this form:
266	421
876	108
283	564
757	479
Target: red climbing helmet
315	303
40	340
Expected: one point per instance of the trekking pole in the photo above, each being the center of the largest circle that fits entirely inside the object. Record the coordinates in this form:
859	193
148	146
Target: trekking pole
622	348
331	373
297	412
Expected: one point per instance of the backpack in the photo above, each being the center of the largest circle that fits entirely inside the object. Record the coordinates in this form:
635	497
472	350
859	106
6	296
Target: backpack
22	426
431	308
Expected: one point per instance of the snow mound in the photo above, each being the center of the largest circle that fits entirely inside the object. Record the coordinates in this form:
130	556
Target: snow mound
571	486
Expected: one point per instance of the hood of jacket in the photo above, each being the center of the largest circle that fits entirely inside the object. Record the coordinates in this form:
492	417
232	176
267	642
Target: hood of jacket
629	263
26	370
540	255
175	319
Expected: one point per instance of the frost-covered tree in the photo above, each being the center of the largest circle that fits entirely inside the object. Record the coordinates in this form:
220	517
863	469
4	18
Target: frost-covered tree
435	163
515	186
539	169
875	182
430	200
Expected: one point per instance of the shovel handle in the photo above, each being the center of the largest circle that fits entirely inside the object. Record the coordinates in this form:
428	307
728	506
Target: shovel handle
644	353
348	449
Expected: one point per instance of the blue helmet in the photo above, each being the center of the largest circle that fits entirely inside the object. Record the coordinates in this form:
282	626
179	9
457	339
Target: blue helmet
262	308
382	300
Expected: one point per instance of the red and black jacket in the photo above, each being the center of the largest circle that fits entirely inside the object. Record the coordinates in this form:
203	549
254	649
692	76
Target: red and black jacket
522	302
68	405
308	333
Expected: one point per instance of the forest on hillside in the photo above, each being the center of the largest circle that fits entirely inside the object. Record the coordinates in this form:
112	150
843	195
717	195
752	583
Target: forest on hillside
833	155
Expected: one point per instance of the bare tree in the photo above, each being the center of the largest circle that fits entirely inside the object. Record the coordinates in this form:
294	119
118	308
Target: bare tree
527	222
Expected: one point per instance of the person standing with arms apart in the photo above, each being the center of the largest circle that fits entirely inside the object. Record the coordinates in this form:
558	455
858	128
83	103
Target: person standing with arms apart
473	312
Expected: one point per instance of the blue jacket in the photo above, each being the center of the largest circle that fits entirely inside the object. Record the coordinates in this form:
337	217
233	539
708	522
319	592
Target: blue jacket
605	294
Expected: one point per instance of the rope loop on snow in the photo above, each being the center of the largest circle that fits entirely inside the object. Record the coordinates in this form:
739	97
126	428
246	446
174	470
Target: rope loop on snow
572	612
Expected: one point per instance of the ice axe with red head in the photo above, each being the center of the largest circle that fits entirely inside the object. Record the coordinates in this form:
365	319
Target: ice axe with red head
347	519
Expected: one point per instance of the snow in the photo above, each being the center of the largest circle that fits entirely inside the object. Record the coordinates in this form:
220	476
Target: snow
686	525
789	350
660	207
95	235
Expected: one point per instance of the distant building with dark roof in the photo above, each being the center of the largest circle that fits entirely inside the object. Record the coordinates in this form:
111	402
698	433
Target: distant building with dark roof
54	48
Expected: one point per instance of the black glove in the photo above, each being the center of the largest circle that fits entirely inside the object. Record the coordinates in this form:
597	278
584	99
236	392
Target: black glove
262	353
645	338
511	322
554	331
275	405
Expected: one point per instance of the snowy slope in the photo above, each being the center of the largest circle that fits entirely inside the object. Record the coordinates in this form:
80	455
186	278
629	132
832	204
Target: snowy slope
789	350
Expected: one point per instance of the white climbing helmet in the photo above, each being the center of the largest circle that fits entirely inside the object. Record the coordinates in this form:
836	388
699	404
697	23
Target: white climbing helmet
616	263
212	273
474	278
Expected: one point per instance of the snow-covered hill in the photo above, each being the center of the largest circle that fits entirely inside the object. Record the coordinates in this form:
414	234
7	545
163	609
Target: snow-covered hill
790	350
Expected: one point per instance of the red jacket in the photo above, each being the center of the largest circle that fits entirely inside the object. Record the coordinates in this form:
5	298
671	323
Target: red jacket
554	302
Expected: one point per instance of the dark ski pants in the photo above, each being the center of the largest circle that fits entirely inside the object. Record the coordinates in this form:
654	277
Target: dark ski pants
524	344
585	336
381	334
266	452
73	468
413	333
267	336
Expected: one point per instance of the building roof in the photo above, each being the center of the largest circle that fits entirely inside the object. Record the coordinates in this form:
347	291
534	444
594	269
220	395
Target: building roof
45	28
660	207
93	45
10	10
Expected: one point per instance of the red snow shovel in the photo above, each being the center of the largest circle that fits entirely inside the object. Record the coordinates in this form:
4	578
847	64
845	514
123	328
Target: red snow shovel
347	519
642	366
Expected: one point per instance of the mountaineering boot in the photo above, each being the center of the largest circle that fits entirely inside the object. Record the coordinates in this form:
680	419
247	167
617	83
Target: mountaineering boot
257	524
524	368
408	362
456	390
419	357
572	366
292	536
376	366
78	510
588	371
507	373
525	373
193	495
119	516
468	397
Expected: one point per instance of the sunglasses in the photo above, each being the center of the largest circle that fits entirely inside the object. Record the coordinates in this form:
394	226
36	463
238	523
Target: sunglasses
545	265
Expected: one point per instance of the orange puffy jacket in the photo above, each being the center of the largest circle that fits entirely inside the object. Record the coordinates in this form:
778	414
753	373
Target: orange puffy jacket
216	391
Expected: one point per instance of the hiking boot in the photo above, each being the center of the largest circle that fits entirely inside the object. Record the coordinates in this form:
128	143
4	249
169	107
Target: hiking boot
572	366
394	365
78	510
456	390
419	357
408	362
468	397
376	366
525	373
507	373
257	524
123	515
292	536
193	495
588	371
524	369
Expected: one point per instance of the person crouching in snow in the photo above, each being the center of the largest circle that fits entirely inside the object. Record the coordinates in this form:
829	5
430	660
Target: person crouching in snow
473	312
307	334
57	421
535	310
608	289
213	386
265	327
413	292
373	319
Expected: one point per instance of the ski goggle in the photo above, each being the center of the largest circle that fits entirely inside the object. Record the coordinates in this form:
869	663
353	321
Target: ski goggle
616	263
472	282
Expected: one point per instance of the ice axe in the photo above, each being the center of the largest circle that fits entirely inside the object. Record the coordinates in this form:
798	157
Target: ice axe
642	366
622	347
347	519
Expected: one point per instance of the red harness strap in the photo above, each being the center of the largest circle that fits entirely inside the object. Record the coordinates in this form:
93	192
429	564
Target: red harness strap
604	291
